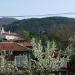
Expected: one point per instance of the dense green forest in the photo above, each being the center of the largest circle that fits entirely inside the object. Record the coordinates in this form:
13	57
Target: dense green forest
40	26
6	20
50	24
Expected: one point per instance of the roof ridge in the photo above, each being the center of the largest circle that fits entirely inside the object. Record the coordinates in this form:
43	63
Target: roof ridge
7	42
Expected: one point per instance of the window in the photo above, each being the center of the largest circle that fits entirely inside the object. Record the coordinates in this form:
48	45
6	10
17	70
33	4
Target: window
21	60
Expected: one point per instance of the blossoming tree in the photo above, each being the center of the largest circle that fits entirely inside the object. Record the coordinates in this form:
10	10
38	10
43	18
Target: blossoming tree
46	61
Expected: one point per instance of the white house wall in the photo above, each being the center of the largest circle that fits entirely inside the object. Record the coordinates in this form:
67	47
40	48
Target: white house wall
10	37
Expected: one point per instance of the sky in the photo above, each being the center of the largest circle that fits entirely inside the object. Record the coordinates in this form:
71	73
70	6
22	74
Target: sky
36	7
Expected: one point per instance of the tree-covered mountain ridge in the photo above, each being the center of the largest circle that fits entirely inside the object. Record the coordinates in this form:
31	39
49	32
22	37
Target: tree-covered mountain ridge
36	25
56	26
6	20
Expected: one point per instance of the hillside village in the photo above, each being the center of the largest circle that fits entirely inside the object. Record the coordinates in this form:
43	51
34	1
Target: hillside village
18	54
13	48
37	37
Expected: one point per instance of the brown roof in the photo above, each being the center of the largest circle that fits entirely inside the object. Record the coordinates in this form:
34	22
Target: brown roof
11	33
12	46
26	43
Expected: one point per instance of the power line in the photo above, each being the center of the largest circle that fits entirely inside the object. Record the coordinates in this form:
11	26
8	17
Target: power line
56	14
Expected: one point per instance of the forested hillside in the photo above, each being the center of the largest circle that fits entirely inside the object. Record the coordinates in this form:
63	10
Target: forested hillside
44	24
6	20
59	27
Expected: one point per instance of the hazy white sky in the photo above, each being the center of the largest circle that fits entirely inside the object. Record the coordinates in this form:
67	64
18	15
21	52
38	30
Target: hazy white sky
36	7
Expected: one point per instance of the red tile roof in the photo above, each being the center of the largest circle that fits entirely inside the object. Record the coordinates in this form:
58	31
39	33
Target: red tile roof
12	46
25	44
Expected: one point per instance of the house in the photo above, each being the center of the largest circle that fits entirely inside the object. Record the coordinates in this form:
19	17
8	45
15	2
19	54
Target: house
9	36
15	48
11	51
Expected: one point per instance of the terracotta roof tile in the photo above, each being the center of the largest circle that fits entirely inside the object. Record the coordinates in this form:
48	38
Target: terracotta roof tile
11	46
25	44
